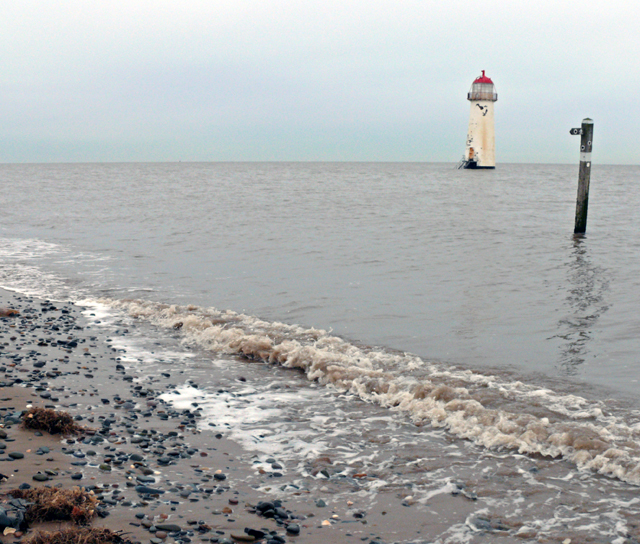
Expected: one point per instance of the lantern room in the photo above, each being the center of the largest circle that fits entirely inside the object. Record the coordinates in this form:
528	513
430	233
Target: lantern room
482	89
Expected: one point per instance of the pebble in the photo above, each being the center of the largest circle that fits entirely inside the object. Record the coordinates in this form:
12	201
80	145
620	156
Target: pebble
39	477
168	527
243	538
293	529
146	490
16	455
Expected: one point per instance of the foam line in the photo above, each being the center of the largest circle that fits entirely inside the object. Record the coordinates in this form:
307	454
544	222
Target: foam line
491	412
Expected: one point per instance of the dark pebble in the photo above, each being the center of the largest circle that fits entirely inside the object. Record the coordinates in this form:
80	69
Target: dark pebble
146	490
255	533
293	529
168	527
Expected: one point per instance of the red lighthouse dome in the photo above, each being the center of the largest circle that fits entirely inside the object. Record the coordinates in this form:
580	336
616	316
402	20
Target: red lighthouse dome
483	79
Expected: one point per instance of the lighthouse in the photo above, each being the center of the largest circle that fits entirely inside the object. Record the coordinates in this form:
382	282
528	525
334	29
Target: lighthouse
480	150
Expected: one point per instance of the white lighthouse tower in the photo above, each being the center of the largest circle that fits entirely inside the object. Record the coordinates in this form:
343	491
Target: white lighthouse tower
480	151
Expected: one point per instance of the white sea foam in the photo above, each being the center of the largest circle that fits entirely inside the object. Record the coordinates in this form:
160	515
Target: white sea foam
485	409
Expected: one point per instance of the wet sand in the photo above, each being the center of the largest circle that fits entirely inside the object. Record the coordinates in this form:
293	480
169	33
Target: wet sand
195	482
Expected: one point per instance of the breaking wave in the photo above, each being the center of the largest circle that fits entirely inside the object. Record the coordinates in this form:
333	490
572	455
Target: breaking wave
485	409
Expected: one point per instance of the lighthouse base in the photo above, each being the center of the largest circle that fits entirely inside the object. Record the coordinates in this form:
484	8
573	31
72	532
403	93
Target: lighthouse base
473	165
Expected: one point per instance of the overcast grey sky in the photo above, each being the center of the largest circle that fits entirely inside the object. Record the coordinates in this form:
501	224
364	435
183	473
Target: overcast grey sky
374	80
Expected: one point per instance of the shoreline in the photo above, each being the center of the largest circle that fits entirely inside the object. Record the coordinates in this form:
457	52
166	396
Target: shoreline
149	464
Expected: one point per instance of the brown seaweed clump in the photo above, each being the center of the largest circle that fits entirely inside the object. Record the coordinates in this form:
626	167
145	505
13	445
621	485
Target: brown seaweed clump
46	419
9	312
76	535
52	504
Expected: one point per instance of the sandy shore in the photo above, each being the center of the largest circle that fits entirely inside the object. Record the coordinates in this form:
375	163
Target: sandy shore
159	477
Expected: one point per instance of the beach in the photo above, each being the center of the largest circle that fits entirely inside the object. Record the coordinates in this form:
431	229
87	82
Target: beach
151	466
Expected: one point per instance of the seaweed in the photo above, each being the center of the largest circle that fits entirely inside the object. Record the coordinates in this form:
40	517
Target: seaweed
46	419
85	535
52	504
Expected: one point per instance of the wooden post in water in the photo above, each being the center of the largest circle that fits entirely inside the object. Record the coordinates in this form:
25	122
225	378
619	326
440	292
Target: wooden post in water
582	203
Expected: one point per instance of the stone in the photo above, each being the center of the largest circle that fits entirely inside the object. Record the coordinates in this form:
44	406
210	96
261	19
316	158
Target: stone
168	527
243	538
146	490
293	529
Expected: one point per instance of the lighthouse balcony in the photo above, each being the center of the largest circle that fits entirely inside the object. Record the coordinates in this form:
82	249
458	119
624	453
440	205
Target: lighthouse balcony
482	95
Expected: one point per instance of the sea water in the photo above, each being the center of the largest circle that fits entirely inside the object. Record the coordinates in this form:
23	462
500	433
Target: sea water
441	329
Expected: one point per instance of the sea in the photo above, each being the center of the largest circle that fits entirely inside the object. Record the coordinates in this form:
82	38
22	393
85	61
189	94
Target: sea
441	329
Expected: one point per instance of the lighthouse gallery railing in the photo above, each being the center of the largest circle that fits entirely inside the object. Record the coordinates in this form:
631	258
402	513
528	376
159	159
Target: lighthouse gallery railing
481	95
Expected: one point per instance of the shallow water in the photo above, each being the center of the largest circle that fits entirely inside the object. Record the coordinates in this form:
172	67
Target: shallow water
450	334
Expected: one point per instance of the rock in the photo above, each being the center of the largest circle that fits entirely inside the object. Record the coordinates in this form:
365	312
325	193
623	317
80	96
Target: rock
161	534
264	506
219	476
482	524
257	535
242	538
77	476
16	455
146	490
293	529
168	527
39	477
320	503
